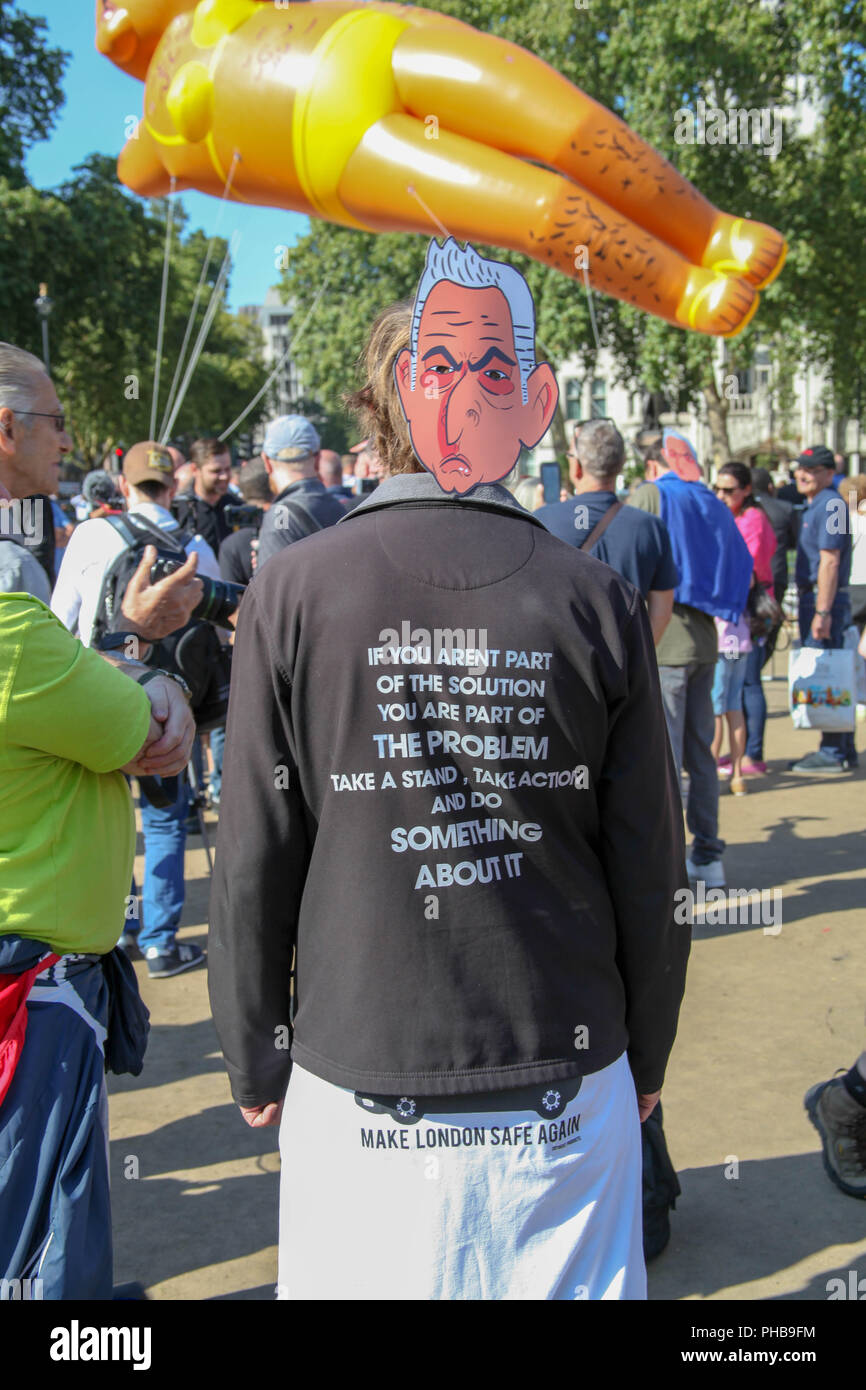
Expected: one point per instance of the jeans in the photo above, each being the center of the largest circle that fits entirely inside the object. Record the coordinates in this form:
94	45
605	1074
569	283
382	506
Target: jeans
755	702
838	745
163	890
687	698
217	745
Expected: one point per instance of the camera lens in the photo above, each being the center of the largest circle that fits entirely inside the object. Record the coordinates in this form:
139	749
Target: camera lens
218	601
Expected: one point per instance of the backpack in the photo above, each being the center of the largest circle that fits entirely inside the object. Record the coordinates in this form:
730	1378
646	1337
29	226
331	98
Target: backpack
194	651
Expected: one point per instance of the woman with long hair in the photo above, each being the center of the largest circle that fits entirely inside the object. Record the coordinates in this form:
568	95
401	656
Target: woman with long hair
737	691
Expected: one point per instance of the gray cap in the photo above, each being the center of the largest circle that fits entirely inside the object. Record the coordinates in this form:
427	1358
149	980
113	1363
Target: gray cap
290	438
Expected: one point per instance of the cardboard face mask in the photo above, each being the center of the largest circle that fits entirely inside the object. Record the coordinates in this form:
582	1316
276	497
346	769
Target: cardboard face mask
680	454
469	384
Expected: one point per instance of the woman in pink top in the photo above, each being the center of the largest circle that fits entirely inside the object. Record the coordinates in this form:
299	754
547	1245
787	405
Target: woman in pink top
734	487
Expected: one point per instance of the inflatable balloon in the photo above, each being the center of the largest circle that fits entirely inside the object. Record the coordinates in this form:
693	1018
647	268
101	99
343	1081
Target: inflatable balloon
389	117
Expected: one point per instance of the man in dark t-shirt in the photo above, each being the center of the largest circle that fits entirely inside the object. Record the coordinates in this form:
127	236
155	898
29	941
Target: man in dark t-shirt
633	543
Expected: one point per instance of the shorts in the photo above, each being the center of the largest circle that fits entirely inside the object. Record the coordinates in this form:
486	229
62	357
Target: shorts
728	682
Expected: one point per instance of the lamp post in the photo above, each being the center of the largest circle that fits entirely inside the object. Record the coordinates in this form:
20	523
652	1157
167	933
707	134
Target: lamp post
43	306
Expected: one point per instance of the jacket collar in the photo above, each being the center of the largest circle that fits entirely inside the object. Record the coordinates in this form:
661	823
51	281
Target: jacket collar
311	484
414	488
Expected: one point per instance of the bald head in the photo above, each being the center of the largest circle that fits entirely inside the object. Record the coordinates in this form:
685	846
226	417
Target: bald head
330	468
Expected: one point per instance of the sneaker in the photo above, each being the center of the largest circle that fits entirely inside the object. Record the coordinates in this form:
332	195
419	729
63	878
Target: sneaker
712	875
754	767
841	1123
161	964
817	764
723	767
738	786
127	941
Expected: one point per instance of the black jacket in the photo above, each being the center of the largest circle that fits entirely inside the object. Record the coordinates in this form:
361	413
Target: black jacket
201	519
785	521
445	945
314	508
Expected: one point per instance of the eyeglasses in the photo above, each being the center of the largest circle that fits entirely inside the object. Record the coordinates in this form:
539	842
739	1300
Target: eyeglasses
59	420
735	488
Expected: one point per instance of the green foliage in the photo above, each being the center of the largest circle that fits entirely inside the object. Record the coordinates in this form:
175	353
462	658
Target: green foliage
648	59
101	252
30	92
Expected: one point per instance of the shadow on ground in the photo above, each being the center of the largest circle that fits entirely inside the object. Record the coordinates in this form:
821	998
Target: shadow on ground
776	1213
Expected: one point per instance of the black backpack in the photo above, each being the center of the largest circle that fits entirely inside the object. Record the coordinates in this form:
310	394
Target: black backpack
194	651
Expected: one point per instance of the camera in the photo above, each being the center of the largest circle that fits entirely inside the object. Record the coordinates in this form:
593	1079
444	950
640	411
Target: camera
218	601
244	514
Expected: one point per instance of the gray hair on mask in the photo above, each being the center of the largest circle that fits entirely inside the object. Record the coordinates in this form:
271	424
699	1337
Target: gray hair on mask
465	267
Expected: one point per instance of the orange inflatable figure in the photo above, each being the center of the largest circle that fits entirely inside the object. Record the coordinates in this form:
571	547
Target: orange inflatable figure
388	117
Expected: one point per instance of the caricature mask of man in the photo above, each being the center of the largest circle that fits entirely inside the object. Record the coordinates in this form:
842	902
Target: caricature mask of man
466	414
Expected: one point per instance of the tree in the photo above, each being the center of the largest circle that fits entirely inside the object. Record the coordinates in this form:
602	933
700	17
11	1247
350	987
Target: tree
30	91
101	250
648	60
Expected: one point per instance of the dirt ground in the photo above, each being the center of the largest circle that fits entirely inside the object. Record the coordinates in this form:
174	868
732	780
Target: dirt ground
766	1014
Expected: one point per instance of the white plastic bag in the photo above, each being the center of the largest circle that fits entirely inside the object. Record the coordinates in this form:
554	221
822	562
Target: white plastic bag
821	689
851	638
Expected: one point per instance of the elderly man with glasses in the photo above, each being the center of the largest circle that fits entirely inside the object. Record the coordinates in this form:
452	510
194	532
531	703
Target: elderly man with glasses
33	443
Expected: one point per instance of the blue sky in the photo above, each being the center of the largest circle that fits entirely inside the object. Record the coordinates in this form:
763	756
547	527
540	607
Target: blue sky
98	99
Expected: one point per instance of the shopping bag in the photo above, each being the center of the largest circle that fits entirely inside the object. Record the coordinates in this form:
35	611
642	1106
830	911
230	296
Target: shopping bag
851	638
821	689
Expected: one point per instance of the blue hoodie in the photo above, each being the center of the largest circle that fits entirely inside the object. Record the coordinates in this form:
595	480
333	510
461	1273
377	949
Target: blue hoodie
713	560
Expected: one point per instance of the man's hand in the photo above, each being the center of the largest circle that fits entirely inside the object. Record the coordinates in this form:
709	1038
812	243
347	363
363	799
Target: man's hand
647	1104
169	741
821	628
155	610
259	1115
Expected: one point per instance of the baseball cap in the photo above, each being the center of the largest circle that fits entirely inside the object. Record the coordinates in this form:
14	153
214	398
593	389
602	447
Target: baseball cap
819	456
99	487
148	462
290	438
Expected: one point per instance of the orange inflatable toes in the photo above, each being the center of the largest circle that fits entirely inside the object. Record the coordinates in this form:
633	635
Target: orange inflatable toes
751	250
716	303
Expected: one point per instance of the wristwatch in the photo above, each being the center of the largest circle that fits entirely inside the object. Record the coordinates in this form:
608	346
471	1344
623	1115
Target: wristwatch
823	612
151	673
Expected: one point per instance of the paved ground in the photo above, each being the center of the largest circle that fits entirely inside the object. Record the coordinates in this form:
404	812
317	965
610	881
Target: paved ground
765	1015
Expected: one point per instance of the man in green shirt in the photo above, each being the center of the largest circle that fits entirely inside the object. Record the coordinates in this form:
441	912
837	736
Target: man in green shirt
71	723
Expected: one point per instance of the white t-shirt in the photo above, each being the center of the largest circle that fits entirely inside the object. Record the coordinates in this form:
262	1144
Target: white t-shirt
858	548
91	549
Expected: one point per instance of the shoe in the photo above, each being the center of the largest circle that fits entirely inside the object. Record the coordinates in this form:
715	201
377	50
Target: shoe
127	942
191	825
738	786
724	760
162	964
818	764
723	767
754	767
841	1123
712	874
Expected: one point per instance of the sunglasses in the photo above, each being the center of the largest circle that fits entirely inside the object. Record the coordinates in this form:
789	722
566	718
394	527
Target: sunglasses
735	488
59	420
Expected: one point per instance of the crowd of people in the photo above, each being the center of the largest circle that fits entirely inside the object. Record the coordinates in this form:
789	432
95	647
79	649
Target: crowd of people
120	668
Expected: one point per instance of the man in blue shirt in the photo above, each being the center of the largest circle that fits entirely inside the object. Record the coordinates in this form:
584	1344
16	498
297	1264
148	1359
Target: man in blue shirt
633	543
822	571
